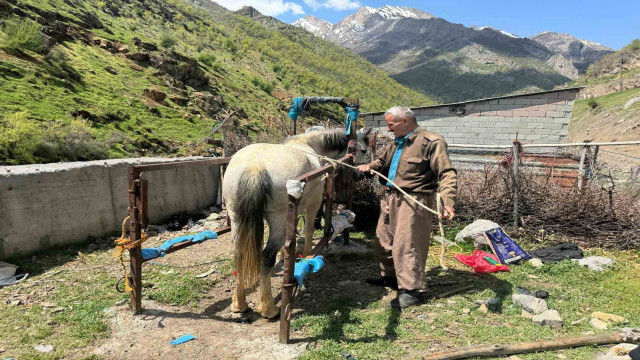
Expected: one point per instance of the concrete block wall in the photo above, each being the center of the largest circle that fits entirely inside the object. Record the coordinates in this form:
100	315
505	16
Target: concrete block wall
49	205
537	118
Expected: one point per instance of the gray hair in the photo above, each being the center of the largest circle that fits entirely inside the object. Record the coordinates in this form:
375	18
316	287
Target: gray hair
400	112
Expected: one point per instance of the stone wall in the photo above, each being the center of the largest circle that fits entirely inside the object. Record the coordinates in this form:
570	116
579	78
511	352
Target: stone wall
542	117
47	205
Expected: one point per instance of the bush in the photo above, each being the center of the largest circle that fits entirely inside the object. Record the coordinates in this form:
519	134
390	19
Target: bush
57	55
206	58
167	40
230	45
592	103
74	141
634	46
266	87
22	35
19	138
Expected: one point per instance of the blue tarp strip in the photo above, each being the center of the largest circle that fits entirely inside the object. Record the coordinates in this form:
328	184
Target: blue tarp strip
152	253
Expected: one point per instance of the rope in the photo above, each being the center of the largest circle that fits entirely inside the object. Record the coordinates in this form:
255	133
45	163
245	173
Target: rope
124	243
444	240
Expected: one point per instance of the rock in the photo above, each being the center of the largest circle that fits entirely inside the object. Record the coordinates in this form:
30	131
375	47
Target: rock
631	102
494	301
466	311
144	45
123	49
598	324
474	229
608	318
479	302
16	302
155	94
484	308
44	348
179	100
530	303
92	247
536	263
621	349
550	317
121	302
527	315
213	216
111	70
139	56
579	321
562	356
595	263
514	357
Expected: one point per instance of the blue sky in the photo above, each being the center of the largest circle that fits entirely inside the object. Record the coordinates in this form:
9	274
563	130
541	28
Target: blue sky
613	23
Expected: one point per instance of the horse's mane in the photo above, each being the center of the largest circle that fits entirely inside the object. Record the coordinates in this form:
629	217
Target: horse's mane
330	140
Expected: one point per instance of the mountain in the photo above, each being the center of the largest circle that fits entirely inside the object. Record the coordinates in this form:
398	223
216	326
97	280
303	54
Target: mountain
84	80
449	62
581	53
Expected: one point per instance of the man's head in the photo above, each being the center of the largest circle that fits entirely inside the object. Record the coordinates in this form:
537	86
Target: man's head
400	121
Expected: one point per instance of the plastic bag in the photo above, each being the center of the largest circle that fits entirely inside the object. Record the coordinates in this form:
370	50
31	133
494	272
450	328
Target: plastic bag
479	264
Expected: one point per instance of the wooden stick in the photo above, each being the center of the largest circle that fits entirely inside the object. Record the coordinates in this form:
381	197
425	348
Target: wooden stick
440	296
444	240
626	335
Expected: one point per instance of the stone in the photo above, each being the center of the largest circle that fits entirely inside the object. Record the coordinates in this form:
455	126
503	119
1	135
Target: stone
608	318
466	311
484	308
44	348
111	70
598	324
213	216
530	303
595	263
629	103
514	357
550	318
527	315
478	227
579	321
155	94
536	263
562	356
621	349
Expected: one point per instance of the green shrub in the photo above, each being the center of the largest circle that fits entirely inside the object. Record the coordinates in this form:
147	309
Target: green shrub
266	87
230	45
21	35
634	46
74	141
167	40
19	138
206	58
592	103
57	55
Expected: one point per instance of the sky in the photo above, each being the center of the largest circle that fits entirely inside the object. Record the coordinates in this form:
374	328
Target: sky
613	23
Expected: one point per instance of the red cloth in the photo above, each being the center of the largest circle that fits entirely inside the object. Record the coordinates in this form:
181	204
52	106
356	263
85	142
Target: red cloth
479	264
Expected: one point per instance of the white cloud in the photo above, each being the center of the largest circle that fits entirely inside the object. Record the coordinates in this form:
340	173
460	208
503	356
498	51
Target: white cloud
333	4
266	7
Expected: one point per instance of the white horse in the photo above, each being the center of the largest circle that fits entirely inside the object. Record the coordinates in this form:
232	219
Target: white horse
255	190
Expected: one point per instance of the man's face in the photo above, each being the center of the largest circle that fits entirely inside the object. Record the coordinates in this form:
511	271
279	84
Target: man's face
398	128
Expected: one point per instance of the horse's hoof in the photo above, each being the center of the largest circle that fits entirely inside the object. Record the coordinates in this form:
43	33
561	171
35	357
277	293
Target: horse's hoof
270	313
239	308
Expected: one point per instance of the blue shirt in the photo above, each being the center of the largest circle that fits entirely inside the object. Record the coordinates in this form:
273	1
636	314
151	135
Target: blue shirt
396	156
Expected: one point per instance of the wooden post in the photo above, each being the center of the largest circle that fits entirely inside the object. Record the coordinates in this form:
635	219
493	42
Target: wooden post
582	168
135	233
288	282
516	183
621	84
328	204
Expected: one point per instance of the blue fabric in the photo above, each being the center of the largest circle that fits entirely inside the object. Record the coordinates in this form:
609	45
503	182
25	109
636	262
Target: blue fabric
352	115
304	266
182	339
296	108
396	156
160	251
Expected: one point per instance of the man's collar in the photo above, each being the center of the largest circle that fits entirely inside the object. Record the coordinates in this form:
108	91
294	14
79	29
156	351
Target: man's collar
410	137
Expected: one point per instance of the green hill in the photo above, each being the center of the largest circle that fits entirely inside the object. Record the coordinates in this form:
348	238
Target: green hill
82	80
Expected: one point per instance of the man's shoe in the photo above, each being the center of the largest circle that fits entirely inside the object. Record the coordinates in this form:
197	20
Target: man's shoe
386	281
407	298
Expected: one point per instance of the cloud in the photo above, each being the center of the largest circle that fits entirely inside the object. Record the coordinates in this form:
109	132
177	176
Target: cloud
266	7
333	4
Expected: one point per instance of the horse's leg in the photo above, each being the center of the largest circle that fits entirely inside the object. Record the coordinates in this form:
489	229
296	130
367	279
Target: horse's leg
239	302
313	206
267	307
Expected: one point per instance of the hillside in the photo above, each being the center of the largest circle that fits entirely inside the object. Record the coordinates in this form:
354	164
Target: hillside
605	113
451	62
83	80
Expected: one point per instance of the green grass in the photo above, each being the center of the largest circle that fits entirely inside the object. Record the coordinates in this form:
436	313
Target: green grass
613	101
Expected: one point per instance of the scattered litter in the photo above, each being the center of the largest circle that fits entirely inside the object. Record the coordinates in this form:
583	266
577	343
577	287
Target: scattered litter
505	248
608	318
44	348
579	321
295	188
182	339
621	349
205	274
482	262
595	263
476	230
7	274
536	263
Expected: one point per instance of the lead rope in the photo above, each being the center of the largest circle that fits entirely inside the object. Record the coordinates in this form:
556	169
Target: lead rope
413	199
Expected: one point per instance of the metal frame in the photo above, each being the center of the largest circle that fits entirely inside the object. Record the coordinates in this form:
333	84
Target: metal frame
139	218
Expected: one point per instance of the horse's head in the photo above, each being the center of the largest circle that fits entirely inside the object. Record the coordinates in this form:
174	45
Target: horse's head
362	145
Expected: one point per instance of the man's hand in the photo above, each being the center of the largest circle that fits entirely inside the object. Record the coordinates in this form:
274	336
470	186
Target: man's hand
364	168
449	213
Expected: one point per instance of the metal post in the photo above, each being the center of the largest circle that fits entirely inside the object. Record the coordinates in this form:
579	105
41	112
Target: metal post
288	282
135	233
294	126
348	174
581	169
516	183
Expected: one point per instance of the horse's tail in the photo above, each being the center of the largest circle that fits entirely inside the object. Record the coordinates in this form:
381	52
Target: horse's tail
253	193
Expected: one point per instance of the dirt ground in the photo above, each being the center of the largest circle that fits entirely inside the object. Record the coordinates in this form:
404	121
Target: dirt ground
221	334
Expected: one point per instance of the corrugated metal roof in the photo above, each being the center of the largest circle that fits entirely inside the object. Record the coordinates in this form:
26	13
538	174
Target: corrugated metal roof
577	88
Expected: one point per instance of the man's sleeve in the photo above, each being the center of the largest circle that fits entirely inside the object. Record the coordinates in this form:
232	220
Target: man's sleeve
378	163
446	174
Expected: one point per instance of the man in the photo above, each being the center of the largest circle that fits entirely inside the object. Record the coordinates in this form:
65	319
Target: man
417	162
